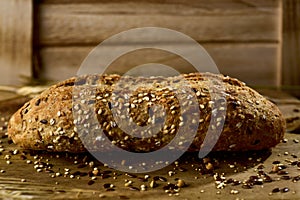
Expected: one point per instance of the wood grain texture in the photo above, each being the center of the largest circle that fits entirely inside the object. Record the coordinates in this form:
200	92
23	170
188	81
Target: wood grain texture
242	36
291	42
15	40
254	64
249	3
90	22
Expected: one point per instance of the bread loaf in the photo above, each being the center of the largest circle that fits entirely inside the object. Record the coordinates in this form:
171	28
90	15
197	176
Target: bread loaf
47	121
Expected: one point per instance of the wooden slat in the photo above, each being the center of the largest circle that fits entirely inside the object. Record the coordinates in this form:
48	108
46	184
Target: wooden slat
291	43
15	40
90	23
255	64
192	3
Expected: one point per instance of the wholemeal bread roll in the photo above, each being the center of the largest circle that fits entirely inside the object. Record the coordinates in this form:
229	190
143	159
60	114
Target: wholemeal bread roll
47	122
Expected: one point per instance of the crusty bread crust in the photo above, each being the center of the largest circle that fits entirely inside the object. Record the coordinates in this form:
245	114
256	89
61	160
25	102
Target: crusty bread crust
46	122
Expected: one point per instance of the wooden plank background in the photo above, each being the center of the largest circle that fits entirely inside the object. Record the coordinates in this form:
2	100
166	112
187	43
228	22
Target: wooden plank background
243	37
62	62
15	40
219	20
291	43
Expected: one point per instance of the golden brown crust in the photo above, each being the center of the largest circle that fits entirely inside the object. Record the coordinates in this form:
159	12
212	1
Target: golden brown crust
46	122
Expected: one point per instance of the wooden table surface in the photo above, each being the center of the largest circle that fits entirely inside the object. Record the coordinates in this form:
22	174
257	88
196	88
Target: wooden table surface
39	175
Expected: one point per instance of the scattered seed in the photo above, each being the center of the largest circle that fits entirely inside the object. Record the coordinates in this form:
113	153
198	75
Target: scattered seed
171	173
44	121
206	160
146	177
108	185
128	183
104	176
15	152
296	178
91	182
131	175
209	166
294	163
37	103
91	164
284	190
134	188
261	166
52	122
169	187
57	174
143	187
236	182
232	166
282	172
285	140
234	192
247	186
162	179
181	169
275	168
153	184
267	179
275	190
294	156
181	183
228	181
285	177
95	172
